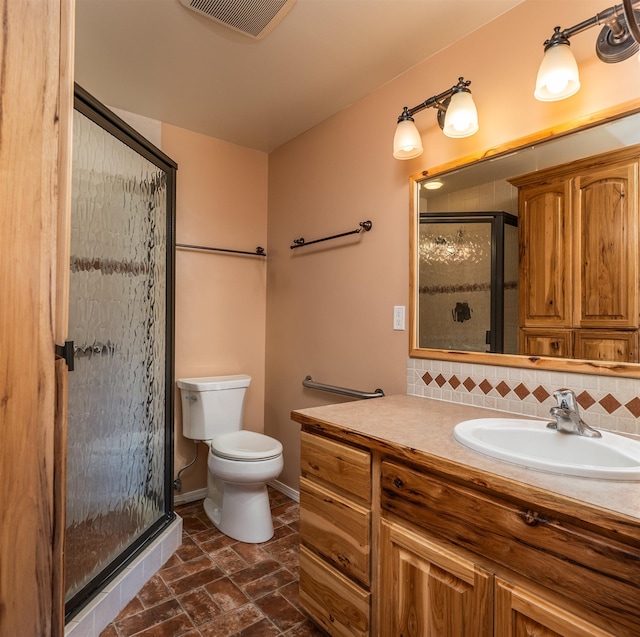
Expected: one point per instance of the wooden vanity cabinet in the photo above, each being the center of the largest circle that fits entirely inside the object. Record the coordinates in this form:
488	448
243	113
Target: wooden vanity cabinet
335	535
579	259
398	545
532	572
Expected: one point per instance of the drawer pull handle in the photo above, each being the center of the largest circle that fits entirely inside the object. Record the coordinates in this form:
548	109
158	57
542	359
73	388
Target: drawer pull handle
398	483
530	518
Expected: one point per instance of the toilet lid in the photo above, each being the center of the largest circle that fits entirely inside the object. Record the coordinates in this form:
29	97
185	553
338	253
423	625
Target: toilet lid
245	445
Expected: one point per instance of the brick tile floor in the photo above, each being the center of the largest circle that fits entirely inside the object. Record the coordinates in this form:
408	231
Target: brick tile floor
214	586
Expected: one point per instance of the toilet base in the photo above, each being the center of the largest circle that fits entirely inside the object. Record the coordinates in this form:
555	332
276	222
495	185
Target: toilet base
245	514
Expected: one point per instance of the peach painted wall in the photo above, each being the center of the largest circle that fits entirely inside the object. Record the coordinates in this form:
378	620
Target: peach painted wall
330	307
220	298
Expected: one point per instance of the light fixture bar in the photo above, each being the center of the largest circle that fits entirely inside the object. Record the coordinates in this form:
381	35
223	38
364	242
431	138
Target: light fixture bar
619	39
457	116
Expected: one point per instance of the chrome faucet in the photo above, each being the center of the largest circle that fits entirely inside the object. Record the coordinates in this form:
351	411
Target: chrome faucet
567	416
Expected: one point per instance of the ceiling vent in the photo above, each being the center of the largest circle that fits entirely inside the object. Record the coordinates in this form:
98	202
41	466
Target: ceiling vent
255	18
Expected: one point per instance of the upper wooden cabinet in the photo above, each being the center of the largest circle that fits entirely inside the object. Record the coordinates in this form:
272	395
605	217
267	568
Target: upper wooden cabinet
545	255
605	206
579	258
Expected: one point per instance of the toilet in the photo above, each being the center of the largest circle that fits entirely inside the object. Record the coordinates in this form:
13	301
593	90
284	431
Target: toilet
240	462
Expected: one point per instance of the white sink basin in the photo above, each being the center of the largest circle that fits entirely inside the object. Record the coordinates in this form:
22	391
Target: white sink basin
529	443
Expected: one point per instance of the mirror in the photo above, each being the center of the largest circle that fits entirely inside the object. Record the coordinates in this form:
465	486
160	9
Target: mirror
460	309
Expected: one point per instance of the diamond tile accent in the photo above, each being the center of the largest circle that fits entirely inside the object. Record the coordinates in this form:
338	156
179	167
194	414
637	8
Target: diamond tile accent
469	383
634	407
502	388
610	403
538	398
541	393
585	400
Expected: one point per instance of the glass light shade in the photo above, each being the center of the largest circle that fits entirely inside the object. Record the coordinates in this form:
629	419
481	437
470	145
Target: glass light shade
461	119
558	76
407	143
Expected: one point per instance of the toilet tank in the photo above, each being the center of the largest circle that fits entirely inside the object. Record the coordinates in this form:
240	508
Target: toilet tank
212	405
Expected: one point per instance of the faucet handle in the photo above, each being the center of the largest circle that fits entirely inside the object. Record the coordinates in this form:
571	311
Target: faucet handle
567	399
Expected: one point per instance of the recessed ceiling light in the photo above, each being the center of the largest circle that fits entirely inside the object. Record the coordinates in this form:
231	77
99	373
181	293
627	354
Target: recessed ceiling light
434	184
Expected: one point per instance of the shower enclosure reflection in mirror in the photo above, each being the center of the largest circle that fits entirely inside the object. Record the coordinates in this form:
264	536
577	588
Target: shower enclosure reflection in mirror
121	307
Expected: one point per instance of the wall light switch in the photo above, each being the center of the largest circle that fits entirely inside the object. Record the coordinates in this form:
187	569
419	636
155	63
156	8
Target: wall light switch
398	317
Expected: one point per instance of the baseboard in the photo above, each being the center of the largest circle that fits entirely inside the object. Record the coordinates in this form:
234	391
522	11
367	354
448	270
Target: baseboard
199	494
190	496
283	488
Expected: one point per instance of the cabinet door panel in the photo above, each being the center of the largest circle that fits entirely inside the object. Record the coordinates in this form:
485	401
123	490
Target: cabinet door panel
337	604
336	528
427	590
538	342
606	227
607	346
521	613
342	466
545	256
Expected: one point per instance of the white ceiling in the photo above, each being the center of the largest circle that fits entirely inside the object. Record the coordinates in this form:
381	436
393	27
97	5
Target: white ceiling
158	59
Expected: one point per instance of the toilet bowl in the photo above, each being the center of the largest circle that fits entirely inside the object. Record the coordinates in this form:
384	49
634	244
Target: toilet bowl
244	462
240	462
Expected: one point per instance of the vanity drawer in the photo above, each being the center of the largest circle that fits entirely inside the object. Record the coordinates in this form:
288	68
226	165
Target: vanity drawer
598	574
336	528
341	607
340	465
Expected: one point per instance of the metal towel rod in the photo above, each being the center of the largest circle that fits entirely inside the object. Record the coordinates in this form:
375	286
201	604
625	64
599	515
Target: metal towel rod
364	225
258	252
354	393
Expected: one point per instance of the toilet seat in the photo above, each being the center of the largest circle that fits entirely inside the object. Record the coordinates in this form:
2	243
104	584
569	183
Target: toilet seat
247	446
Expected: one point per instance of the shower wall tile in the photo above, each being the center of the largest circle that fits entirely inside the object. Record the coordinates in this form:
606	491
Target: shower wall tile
607	403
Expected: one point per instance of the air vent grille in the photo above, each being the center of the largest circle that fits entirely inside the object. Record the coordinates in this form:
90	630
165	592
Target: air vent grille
251	17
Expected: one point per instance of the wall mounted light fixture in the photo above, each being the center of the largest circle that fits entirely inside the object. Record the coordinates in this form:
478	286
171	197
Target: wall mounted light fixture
457	116
558	76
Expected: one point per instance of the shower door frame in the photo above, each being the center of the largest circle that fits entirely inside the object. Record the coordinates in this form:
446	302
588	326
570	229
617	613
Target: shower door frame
498	220
97	112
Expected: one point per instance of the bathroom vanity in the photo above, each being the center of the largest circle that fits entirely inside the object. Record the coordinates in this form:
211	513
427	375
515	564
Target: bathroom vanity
406	532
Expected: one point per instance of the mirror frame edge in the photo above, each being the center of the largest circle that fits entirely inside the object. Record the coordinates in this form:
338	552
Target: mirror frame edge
540	363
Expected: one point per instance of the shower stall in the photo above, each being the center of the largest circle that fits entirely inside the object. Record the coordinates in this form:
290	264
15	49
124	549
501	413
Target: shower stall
121	306
468	281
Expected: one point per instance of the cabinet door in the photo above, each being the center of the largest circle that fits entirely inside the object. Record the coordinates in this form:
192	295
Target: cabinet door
428	590
339	465
538	342
332	600
521	613
605	230
602	345
545	256
336	528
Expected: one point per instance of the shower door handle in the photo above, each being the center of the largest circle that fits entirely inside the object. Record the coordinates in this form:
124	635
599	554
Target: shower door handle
67	352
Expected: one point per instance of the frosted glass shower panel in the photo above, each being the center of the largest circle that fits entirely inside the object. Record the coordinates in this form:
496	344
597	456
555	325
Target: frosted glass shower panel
117	320
455	285
468	281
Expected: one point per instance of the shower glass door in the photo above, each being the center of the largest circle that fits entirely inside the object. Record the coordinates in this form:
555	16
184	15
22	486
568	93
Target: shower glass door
120	406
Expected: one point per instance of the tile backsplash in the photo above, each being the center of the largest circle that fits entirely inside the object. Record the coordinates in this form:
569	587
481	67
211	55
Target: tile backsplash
605	402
